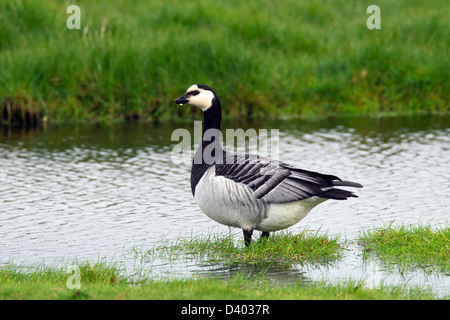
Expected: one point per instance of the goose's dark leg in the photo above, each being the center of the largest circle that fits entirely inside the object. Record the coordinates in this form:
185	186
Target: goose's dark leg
265	235
247	236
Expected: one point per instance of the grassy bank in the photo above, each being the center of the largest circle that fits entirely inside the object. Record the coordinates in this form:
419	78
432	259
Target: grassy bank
100	280
131	59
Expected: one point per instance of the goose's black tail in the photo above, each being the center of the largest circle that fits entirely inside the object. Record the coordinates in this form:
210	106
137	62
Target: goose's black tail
339	194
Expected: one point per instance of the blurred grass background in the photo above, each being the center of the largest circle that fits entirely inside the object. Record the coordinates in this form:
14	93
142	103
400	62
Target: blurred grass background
131	59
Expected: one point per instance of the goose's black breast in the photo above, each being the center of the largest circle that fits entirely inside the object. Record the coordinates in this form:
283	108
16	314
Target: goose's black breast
197	173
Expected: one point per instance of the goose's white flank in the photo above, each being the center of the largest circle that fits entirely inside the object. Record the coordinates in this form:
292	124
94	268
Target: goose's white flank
249	191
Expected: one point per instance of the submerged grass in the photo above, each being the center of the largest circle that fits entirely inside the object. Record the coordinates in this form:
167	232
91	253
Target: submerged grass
408	247
131	59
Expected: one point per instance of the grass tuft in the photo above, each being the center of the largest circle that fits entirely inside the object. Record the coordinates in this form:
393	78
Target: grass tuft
281	247
422	247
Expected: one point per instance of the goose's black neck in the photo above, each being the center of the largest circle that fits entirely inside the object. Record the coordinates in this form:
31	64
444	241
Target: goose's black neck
212	121
210	150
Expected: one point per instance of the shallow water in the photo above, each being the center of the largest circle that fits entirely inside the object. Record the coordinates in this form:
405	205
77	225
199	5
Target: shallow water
88	192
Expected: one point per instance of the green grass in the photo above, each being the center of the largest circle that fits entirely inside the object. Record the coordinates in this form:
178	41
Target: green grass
421	246
50	283
291	58
407	247
280	248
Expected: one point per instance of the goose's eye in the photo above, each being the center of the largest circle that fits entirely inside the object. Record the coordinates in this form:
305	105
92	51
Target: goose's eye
194	92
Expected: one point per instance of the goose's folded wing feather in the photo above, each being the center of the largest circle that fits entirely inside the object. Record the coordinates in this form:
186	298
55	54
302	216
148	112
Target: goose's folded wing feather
278	182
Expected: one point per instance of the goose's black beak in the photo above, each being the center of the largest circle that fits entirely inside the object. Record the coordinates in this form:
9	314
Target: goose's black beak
182	100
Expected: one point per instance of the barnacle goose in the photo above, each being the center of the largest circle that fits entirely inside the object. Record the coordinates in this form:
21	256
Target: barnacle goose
249	191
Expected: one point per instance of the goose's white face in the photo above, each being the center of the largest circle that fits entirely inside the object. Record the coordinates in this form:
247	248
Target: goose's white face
197	97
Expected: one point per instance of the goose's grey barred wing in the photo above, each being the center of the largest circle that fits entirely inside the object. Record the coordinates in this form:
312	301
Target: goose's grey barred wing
278	182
